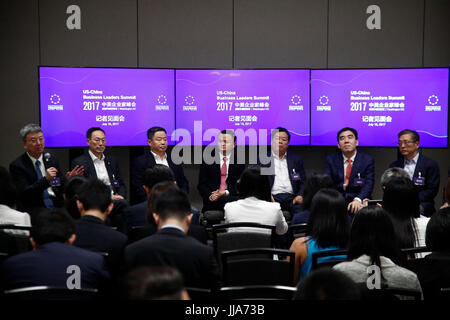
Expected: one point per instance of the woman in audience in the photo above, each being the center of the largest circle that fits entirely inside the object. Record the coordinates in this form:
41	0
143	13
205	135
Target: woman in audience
401	201
373	242
256	203
434	269
71	189
313	183
8	197
328	229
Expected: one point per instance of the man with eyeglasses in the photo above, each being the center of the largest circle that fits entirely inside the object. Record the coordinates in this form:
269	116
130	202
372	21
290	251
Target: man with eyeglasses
104	167
423	171
352	171
37	175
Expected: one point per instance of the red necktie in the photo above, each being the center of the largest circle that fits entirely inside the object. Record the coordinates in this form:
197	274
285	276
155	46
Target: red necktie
348	171
223	175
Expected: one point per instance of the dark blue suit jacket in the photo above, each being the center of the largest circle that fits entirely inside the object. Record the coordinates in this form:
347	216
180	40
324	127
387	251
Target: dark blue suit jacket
428	169
112	166
30	189
47	266
364	164
137	173
94	235
295	163
172	247
209	181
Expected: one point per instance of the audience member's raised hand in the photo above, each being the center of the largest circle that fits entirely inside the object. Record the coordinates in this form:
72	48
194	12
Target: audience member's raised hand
298	200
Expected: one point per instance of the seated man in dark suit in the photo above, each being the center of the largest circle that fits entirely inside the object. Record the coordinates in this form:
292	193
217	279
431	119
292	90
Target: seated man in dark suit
288	174
352	171
157	140
171	246
104	167
423	171
55	262
94	203
37	176
217	181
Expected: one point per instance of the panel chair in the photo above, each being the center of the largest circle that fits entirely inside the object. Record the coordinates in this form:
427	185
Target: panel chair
46	293
328	258
260	266
254	235
258	292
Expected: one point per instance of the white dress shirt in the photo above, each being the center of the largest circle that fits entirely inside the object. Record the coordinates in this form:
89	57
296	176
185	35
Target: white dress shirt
100	168
252	209
282	182
158	159
42	167
410	166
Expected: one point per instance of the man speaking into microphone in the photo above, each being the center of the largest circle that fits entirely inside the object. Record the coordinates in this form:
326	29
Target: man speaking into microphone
37	175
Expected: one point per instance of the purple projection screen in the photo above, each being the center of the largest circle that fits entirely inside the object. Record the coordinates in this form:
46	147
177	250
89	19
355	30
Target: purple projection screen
379	103
243	99
123	102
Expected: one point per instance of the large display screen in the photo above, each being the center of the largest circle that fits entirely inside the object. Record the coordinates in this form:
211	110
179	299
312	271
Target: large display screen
123	102
379	103
244	101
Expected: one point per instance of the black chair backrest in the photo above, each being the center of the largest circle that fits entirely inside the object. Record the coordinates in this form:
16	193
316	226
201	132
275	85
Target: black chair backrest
258	267
296	231
258	292
211	217
201	294
50	293
14	243
332	254
260	236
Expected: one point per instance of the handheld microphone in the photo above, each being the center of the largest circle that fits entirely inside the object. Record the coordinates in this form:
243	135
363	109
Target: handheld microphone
46	156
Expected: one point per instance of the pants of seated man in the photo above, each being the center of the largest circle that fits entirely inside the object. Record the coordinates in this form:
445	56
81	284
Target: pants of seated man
285	201
116	217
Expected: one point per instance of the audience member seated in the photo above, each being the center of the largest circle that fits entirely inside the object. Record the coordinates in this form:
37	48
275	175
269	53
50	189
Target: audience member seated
8	198
171	246
256	203
154	283
434	269
313	183
95	204
328	229
327	284
401	201
71	190
136	215
196	231
373	244
55	262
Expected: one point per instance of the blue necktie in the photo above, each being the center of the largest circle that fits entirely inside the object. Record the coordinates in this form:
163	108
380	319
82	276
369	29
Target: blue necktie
45	196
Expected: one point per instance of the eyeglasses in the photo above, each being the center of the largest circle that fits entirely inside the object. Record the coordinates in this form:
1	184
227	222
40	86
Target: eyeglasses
406	142
99	140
